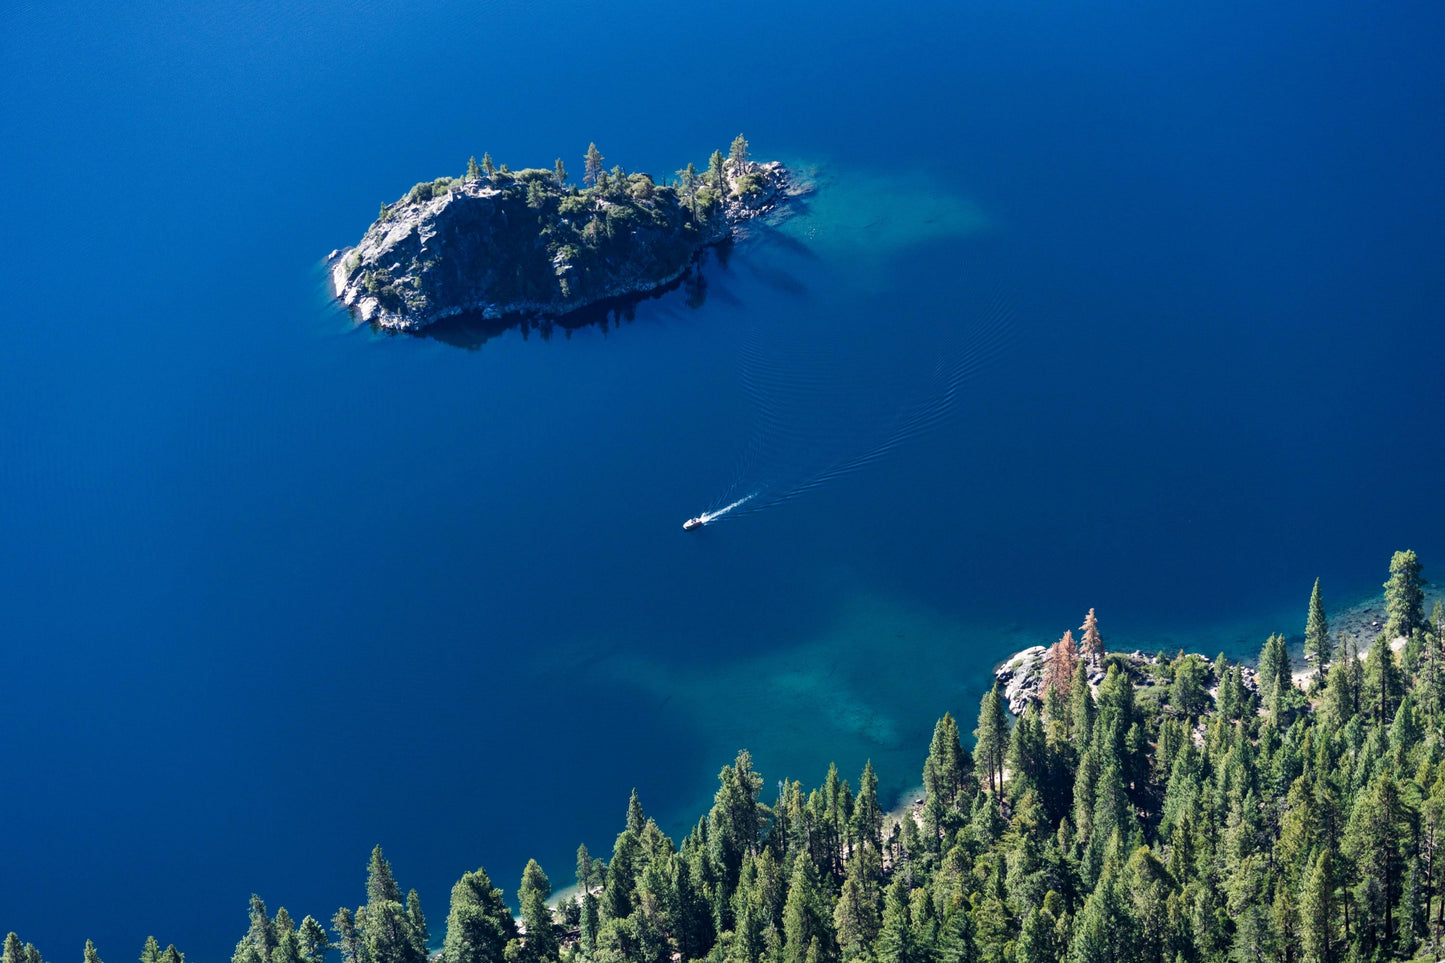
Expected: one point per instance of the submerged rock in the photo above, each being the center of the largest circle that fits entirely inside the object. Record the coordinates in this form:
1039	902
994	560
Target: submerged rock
525	244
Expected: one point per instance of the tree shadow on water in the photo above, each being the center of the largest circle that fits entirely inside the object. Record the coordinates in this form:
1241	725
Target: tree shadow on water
471	330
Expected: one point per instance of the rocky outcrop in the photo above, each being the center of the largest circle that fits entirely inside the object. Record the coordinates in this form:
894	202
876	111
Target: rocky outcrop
522	244
1021	677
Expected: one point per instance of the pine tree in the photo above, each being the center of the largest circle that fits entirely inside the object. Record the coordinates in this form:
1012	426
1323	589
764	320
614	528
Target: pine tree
831	828
1147	885
738	154
956	939
1187	695
1380	694
590	923
806	920
636	818
15	950
262	935
1082	708
1274	670
1317	634
532	894
867	813
592	166
1317	911
1059	665
91	956
1413	912
1343	688
312	941
488	167
735	818
692	926
1028	757
1432	843
992	738
418	937
1431	684
1085	789
348	937
385	928
1103	932
896	943
1374	841
479	924
151	952
716	173
1091	645
559	173
689	180
944	771
616	902
474	170
288	948
1118	715
1404	597
380	885
855	921
584	869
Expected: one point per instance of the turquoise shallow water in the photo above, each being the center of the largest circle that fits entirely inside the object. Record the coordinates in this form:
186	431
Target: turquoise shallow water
275	589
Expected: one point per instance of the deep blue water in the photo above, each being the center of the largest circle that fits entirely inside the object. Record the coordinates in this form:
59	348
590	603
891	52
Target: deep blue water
274	590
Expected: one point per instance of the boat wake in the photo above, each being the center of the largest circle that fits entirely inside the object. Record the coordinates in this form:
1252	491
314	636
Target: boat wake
827	405
706	517
719	513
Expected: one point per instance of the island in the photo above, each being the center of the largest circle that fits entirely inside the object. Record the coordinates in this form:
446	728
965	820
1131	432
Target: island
528	244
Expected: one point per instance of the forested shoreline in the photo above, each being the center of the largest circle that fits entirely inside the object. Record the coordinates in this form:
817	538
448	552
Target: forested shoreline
1158	809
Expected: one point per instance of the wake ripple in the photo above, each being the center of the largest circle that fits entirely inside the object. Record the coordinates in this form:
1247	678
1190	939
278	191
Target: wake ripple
818	418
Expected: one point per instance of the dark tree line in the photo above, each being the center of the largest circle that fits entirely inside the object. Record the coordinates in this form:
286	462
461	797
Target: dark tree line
1154	810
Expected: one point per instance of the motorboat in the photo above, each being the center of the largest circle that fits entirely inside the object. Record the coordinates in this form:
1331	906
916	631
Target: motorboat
692	523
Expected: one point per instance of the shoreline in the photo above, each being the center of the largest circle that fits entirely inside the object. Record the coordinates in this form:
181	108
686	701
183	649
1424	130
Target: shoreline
407	226
1353	621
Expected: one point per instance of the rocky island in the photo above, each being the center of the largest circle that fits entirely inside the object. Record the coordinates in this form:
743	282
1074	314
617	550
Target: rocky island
526	243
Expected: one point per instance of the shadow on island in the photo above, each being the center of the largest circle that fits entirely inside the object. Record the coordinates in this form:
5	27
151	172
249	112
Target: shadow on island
471	330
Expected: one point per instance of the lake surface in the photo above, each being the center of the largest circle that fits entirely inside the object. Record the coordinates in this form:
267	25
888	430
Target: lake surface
275	589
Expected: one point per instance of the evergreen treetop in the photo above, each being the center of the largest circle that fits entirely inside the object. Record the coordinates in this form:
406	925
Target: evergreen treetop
1404	597
1091	644
1318	648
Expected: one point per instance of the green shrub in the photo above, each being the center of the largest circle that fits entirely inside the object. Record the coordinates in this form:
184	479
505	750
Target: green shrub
748	184
641	186
426	190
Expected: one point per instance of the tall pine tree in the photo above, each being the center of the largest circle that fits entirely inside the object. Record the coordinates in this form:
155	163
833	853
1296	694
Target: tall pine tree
1404	597
1317	634
479	924
541	944
992	738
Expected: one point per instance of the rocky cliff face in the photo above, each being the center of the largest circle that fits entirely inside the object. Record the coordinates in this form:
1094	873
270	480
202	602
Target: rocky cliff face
521	244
